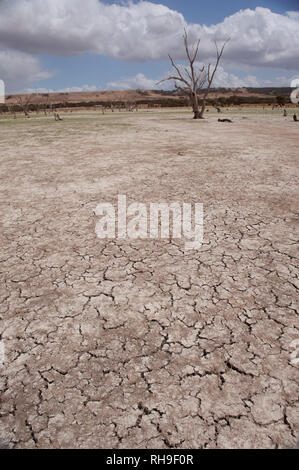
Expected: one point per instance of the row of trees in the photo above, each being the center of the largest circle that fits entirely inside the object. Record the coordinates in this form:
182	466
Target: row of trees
27	106
28	103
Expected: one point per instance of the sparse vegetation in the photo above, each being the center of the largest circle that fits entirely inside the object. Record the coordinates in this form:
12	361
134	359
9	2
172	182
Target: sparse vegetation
221	97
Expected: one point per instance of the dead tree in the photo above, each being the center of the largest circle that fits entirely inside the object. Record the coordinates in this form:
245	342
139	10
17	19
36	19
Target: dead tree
47	104
43	103
193	78
24	103
12	111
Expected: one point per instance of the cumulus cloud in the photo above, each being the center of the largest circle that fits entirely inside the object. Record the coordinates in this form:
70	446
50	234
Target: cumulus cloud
73	89
293	14
139	82
223	79
70	27
260	38
145	31
18	68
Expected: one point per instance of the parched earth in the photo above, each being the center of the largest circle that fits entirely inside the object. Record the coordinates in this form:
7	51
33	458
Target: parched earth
139	343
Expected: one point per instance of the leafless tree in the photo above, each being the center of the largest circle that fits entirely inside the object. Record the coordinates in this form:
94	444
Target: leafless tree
47	103
43	103
193	78
12	111
24	103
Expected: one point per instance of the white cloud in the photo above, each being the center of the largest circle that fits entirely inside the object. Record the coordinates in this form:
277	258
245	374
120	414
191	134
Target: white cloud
223	79
74	89
260	38
131	32
18	68
293	15
139	82
228	80
145	31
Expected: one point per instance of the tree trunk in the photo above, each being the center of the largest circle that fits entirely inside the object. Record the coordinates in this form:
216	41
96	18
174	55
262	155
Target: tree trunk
195	105
202	111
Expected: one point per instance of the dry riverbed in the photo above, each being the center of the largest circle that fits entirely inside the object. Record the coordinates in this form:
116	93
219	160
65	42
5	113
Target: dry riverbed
139	343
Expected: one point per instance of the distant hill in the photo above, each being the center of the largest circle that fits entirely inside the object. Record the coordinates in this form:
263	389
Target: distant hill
93	96
141	95
245	92
217	96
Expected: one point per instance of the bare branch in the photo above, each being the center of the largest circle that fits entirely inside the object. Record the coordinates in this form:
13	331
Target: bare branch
178	71
195	78
210	77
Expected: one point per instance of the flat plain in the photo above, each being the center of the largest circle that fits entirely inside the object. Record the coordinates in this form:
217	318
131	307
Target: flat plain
139	343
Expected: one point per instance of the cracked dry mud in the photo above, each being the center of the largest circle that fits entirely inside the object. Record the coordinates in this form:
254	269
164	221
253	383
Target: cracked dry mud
139	344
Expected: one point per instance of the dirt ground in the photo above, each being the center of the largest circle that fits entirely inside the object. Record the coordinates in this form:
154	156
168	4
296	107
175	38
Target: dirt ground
138	343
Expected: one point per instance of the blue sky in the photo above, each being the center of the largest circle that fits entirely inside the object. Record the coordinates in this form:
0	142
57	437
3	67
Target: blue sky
214	11
92	44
